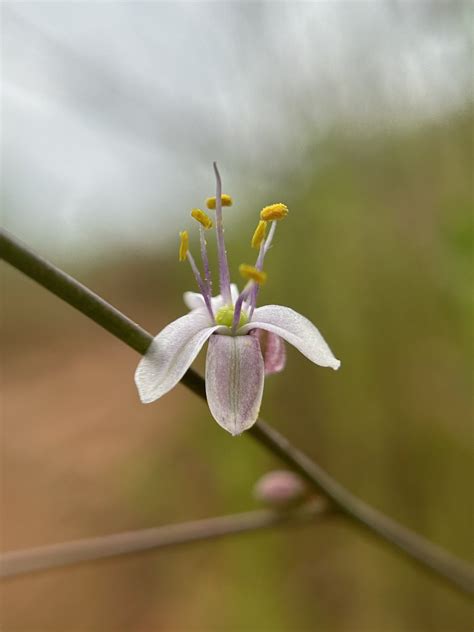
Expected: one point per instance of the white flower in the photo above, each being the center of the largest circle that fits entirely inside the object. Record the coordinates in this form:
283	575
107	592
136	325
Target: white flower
245	342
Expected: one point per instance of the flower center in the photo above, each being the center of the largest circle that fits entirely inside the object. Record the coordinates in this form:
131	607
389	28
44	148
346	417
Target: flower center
225	316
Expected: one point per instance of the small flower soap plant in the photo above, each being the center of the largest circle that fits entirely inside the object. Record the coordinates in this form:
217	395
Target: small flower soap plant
245	341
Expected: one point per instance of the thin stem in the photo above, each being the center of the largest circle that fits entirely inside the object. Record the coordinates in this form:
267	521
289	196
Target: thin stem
224	276
430	556
45	558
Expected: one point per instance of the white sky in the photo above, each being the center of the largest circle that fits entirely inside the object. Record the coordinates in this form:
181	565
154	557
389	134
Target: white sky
112	112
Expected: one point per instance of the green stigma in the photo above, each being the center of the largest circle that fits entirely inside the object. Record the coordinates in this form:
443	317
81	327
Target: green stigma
225	316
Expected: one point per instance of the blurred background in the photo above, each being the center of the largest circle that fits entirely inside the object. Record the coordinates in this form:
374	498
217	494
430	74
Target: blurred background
358	115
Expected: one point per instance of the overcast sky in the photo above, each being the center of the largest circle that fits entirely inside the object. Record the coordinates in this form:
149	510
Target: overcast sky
112	112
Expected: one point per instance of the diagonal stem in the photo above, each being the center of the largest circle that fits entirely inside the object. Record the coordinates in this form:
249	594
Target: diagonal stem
430	556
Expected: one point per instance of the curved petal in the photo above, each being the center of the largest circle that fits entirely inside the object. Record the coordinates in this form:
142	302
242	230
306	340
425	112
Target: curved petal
273	350
234	381
193	300
295	329
171	354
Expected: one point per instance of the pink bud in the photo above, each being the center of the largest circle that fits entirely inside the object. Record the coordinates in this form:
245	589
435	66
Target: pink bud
280	488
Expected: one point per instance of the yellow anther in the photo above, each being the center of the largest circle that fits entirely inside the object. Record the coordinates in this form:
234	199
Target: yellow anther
184	245
274	211
252	274
201	217
226	201
259	234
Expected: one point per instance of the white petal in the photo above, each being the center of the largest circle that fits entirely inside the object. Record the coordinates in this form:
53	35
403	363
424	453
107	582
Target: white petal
234	292
193	300
295	329
234	381
171	354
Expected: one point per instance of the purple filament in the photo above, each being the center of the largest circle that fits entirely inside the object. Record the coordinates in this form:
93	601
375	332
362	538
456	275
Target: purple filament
205	261
202	287
224	277
264	248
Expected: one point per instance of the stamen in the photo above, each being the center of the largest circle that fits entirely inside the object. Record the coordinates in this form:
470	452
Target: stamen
226	200
205	261
274	211
224	276
259	234
205	288
184	245
264	248
201	217
202	287
240	317
252	274
266	245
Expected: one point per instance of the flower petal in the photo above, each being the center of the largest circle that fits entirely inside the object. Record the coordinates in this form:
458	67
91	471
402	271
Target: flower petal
273	350
234	292
295	329
171	354
193	300
234	381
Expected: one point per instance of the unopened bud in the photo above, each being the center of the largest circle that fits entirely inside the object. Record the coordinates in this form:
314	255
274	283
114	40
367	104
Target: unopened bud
281	489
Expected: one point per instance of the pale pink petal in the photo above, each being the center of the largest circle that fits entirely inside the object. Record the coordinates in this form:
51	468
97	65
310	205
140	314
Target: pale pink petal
234	381
273	350
171	354
295	329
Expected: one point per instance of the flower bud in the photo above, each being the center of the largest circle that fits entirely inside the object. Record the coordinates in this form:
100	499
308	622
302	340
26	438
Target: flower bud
281	489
